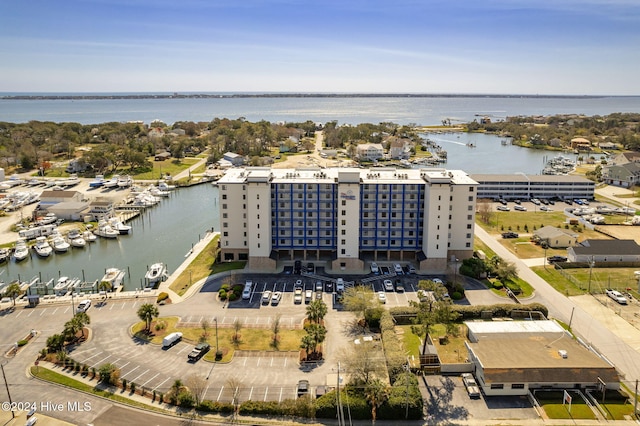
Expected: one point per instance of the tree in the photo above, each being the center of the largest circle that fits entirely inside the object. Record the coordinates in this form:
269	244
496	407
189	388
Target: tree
236	338
363	362
376	393
104	286
71	328
147	312
55	343
431	310
275	340
109	373
82	318
198	386
235	385
308	344
316	311
318	333
205	331
484	210
12	292
175	390
359	299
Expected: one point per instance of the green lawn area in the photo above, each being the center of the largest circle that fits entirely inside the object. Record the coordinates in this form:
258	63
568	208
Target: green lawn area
255	339
617	405
161	168
551	403
601	278
451	352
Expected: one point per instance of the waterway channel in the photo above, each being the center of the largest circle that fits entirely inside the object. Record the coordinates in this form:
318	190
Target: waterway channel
164	233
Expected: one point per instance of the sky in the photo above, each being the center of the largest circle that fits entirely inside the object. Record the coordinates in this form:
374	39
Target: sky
543	47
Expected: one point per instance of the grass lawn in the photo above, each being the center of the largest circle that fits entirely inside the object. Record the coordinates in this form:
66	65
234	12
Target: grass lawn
601	278
451	352
203	266
526	289
54	377
411	344
255	339
617	405
551	403
161	168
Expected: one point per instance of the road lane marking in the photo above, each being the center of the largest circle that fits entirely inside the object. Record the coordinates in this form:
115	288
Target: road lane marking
145	372
150	379
135	368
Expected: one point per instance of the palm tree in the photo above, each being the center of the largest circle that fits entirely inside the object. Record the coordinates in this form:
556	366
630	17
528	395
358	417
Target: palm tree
307	343
104	286
71	328
13	291
376	393
147	312
318	333
316	311
82	318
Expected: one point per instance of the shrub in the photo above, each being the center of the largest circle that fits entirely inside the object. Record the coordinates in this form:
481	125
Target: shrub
222	294
109	374
124	384
215	406
160	397
497	284
133	387
270	408
225	287
22	342
456	295
404	390
186	399
162	296
358	406
515	288
232	297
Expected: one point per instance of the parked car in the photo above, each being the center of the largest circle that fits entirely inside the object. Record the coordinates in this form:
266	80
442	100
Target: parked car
303	387
617	296
171	339
399	286
84	306
266	296
319	286
545	209
339	285
397	269
297	266
275	297
556	259
510	235
199	351
471	385
503	208
520	208
328	287
382	297
412	269
388	285
297	295
307	296
311	268
374	268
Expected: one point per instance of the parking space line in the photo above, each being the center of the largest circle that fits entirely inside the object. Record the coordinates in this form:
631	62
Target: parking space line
285	361
280	397
19	313
201	319
259	358
122	306
165	380
266	390
85	361
150	379
245	362
189	318
123	366
111	307
134	304
220	394
134	369
116	361
30	313
270	365
43	311
250	393
145	372
183	349
212	320
101	361
54	311
66	310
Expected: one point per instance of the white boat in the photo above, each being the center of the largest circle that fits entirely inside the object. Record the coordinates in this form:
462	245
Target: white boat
157	192
4	254
71	181
157	272
97	182
117	225
62	286
112	183
164	186
114	277
125	181
75	238
47	219
89	236
59	244
21	251
42	247
105	230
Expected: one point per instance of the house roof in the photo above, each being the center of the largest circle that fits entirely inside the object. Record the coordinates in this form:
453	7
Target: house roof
580	140
231	155
552	232
622	171
536	359
607	247
58	194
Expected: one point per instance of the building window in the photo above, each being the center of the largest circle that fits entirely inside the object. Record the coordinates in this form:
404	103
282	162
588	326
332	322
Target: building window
517	386
344	232
225	234
470	207
468	226
224	215
468	235
224	206
224	187
467	245
224	196
470	197
469	217
344	202
343	242
497	386
471	189
225	225
343	251
344	223
344	212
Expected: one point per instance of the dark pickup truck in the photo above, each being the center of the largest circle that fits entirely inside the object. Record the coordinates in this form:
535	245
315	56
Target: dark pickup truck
199	351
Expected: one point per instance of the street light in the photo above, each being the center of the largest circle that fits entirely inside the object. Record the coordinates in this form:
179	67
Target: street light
13	414
455	271
215	319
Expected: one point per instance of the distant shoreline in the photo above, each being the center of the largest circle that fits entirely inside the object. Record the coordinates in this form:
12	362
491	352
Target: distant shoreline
281	95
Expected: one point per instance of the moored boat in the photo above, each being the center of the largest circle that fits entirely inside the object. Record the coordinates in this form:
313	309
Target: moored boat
156	273
42	247
75	238
117	225
59	244
21	251
89	236
125	181
105	230
113	277
97	182
112	183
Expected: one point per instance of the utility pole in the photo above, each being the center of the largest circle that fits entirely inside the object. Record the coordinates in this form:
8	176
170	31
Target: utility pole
590	270
338	403
406	411
13	415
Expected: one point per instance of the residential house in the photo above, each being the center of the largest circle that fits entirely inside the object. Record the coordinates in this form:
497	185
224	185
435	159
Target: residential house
555	237
102	208
370	151
161	156
581	144
604	251
155	133
624	175
399	148
233	158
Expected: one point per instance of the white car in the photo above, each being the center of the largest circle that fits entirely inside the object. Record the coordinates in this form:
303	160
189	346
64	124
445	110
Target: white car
472	386
382	297
397	269
520	208
545	209
388	285
266	296
617	296
84	306
503	208
275	297
374	268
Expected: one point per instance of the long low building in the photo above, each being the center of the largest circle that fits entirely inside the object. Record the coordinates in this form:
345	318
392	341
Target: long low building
345	215
521	186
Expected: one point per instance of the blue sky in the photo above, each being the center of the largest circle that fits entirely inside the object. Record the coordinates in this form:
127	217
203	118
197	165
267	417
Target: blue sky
383	46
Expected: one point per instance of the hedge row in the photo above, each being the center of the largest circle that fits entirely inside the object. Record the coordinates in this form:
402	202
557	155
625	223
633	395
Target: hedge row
393	347
404	314
301	407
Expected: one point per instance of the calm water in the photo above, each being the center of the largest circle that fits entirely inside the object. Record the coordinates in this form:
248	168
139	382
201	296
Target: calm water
164	233
423	111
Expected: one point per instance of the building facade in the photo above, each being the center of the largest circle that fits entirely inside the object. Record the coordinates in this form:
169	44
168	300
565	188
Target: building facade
345	216
523	187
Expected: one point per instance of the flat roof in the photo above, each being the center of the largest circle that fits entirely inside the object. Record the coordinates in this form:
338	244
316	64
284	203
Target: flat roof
537	326
522	177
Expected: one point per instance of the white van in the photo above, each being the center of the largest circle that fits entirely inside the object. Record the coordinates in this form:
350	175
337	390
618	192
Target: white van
339	285
171	339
